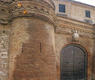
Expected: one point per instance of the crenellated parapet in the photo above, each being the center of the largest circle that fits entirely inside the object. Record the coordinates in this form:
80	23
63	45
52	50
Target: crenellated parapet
11	9
32	9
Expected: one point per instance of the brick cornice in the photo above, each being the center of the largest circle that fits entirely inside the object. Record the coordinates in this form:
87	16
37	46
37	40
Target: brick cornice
66	26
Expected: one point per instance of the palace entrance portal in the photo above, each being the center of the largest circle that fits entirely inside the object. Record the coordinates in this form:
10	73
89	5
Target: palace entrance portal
73	63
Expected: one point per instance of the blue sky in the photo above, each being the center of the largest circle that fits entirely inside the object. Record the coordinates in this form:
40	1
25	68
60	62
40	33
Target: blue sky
91	2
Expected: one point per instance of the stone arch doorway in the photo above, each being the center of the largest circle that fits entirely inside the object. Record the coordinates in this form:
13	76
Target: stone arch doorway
73	63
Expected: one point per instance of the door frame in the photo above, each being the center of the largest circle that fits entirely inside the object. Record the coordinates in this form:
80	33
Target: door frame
86	53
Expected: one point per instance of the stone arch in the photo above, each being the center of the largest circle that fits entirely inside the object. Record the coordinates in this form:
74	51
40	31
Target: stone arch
73	63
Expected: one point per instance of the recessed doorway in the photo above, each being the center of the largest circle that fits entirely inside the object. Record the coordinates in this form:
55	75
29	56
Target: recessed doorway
73	63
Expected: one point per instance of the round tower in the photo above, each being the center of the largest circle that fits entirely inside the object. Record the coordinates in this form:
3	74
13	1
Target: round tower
32	47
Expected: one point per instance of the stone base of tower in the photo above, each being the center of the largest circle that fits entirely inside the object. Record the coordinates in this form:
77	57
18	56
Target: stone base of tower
32	50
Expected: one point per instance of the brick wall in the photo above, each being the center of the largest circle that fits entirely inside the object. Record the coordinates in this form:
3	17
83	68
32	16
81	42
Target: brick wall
32	50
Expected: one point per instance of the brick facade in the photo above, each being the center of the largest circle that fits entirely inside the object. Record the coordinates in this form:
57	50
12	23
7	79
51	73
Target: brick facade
32	37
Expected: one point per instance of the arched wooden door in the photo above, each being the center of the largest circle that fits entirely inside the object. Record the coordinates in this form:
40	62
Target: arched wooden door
73	63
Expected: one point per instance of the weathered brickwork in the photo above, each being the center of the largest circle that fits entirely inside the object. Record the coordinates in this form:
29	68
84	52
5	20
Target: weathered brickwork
34	54
4	57
63	38
32	37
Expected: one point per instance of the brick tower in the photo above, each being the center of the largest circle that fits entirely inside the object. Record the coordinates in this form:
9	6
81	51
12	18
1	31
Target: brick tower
32	49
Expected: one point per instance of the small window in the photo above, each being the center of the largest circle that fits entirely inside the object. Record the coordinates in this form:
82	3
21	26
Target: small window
87	14
62	8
